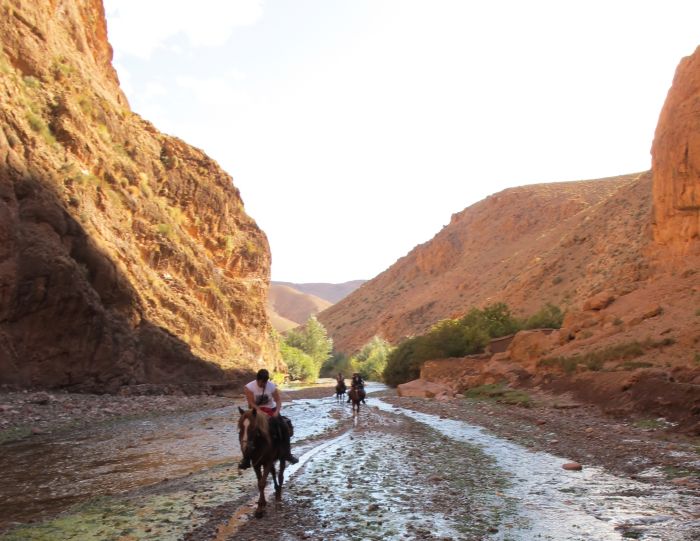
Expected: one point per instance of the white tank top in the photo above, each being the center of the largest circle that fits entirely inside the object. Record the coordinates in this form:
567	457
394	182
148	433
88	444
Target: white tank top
263	396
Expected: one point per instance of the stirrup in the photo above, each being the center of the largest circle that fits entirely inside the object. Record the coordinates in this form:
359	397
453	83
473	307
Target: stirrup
244	464
291	459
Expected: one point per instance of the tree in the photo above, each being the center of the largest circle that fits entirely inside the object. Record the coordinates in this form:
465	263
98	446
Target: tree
300	366
313	340
449	338
371	360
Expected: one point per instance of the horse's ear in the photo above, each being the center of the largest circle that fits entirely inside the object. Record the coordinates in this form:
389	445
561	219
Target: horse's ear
241	410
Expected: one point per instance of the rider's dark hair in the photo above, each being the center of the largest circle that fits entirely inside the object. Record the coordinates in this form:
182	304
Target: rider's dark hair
262	375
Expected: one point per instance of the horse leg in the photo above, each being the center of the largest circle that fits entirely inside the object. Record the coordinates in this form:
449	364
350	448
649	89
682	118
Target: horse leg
279	480
273	471
262	481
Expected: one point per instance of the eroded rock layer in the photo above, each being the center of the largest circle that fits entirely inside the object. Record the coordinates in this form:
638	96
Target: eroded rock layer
676	162
126	256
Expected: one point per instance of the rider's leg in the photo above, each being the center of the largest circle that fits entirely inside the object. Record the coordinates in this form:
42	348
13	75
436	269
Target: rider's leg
286	442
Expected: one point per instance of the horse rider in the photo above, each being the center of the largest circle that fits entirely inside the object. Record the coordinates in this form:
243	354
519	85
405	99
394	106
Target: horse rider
264	396
340	380
358	383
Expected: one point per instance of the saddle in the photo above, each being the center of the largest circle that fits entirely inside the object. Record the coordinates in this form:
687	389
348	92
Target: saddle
277	428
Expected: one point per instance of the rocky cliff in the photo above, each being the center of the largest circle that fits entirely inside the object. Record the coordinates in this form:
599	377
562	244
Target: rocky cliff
526	246
676	162
126	256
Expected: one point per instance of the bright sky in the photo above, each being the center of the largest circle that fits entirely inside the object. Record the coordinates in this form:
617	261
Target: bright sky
355	128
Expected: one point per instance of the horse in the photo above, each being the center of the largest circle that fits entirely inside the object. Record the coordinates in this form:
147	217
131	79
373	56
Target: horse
257	442
357	395
340	389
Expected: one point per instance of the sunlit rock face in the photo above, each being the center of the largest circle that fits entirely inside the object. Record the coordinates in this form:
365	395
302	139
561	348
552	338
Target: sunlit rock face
126	256
556	243
676	162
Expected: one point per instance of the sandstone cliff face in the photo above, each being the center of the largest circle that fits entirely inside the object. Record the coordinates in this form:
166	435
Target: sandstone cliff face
558	243
676	162
125	255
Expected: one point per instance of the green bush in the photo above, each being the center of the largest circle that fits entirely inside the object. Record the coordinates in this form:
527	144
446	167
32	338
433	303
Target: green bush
548	317
300	365
39	126
403	364
449	338
371	360
337	363
464	336
313	340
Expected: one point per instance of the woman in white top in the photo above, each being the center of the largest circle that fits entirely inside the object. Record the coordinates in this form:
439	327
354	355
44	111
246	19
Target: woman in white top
264	396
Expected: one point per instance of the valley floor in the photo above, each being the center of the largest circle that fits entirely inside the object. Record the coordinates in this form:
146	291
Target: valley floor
359	471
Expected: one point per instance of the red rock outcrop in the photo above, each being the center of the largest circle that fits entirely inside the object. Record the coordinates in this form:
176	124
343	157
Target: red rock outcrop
676	162
126	256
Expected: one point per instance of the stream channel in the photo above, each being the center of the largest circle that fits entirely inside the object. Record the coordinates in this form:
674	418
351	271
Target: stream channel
388	473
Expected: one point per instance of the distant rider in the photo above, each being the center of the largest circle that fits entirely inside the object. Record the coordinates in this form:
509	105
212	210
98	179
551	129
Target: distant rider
358	383
264	396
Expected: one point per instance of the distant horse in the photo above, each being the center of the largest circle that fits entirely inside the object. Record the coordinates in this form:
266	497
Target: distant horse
257	442
357	395
340	391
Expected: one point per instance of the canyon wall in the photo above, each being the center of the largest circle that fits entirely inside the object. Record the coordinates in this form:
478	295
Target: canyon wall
556	243
126	255
676	163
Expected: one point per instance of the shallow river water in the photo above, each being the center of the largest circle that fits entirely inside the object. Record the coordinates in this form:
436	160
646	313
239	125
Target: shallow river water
389	473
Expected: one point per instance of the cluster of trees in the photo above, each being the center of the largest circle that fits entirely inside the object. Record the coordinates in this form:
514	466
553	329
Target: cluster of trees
308	351
305	350
464	336
369	362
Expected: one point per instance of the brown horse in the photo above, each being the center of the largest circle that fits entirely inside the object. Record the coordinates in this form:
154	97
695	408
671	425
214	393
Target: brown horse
257	442
357	395
340	389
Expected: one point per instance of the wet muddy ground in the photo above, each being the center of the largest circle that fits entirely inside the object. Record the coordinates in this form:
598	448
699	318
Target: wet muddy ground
402	469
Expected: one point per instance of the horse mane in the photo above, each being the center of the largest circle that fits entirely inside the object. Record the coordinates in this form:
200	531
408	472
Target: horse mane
260	422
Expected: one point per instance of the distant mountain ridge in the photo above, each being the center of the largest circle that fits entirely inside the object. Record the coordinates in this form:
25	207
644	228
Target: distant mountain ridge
290	304
330	292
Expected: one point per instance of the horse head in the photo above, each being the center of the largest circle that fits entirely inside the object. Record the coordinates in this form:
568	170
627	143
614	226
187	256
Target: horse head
251	427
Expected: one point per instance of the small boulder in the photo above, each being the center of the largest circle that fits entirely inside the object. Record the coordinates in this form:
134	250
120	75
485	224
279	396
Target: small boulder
572	466
599	301
424	389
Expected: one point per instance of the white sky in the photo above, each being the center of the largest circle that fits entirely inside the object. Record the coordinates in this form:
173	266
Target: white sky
355	128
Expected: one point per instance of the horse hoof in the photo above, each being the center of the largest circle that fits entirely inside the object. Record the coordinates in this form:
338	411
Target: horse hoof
259	513
278	496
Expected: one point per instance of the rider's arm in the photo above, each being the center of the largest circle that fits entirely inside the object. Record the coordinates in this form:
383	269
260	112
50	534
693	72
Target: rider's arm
278	401
251	399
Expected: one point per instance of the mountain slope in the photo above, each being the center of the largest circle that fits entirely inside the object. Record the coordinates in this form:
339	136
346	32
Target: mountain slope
526	246
289	307
126	256
329	292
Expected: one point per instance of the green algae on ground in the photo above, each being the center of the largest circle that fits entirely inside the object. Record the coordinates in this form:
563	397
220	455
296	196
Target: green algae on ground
162	512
